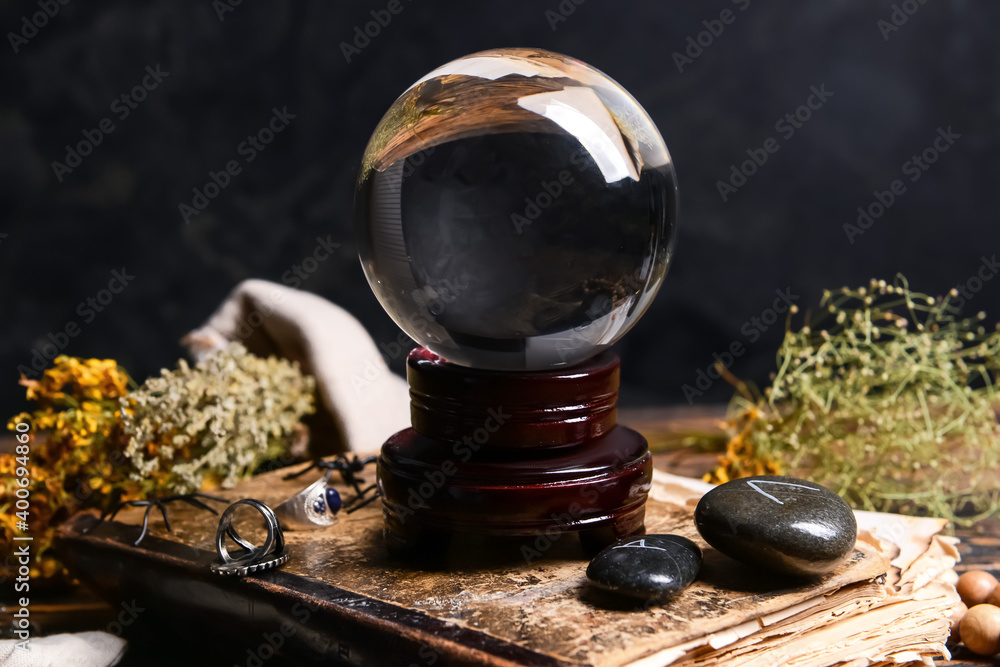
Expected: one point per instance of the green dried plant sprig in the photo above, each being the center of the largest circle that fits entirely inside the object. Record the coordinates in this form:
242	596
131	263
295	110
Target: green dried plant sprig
215	423
888	397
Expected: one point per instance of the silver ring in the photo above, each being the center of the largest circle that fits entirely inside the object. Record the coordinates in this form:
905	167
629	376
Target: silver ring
249	558
311	508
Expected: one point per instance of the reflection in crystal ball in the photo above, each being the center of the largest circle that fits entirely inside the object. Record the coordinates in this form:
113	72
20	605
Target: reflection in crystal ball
516	210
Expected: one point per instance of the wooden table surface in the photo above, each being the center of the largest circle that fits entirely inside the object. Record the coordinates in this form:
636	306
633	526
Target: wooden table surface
679	438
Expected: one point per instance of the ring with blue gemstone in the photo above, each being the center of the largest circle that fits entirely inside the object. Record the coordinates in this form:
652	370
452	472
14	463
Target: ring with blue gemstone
313	507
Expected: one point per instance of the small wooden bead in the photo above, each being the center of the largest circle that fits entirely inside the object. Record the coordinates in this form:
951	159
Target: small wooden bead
980	629
957	613
994	597
975	586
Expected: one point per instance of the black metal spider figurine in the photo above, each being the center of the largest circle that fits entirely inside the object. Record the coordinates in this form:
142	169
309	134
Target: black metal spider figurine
348	469
160	504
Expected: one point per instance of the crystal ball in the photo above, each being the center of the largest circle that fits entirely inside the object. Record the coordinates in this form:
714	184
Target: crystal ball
516	210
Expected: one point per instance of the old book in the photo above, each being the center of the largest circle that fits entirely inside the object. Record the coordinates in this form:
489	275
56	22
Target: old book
496	603
897	619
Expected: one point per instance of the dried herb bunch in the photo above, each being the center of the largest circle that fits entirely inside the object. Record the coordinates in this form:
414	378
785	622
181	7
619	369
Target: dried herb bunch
74	460
213	424
889	398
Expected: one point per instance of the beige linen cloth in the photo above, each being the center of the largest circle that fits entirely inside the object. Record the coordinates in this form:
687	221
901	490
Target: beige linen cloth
82	649
360	402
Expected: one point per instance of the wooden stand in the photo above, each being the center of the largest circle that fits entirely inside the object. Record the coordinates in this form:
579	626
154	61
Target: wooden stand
513	454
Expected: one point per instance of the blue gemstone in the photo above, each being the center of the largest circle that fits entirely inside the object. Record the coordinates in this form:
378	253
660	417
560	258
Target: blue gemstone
333	499
319	506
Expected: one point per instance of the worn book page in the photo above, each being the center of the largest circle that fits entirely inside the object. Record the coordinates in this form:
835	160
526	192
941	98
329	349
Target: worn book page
898	619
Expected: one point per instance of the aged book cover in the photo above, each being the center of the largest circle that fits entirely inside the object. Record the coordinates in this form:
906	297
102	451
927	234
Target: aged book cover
342	596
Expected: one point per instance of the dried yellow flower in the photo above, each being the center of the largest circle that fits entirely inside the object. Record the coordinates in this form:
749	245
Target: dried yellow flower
76	442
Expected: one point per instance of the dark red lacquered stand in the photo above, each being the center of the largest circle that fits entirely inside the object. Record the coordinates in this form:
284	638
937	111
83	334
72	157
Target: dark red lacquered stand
513	453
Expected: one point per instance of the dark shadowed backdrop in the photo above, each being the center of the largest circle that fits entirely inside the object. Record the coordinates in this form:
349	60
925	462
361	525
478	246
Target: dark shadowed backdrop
885	81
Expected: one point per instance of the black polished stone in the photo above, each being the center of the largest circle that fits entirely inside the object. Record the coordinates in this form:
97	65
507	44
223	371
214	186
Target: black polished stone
783	524
647	567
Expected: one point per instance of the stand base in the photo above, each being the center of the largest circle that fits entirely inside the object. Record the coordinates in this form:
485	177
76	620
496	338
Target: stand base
432	489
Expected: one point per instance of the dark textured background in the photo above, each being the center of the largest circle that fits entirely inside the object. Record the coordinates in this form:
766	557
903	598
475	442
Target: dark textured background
783	229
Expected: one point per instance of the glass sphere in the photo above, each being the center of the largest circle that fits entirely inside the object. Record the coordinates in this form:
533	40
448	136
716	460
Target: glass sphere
516	210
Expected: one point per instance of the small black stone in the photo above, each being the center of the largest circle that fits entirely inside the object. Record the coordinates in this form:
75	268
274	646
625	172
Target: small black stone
646	567
784	524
